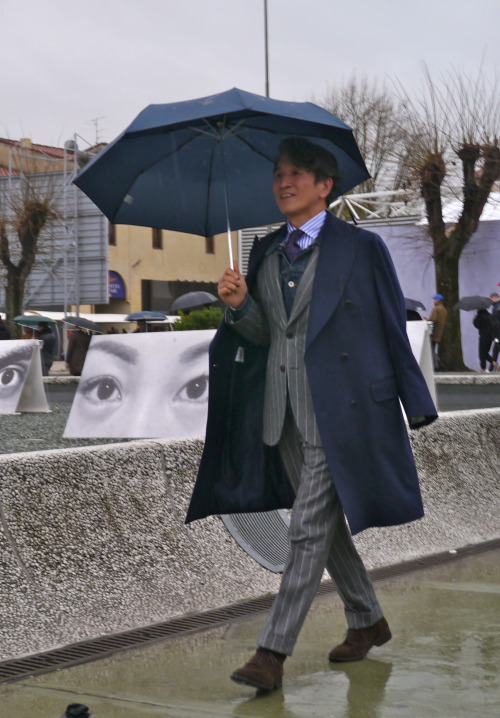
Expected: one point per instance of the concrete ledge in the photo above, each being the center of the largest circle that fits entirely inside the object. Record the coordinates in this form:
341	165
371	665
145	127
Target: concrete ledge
92	540
468	379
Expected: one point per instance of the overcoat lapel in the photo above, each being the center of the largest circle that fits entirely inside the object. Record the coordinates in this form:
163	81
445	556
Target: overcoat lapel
336	258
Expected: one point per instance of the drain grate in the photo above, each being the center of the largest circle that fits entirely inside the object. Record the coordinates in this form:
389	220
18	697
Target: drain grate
95	649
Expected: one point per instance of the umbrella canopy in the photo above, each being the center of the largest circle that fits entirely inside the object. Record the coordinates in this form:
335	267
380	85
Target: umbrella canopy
191	300
146	316
82	323
202	165
475	302
414	304
32	320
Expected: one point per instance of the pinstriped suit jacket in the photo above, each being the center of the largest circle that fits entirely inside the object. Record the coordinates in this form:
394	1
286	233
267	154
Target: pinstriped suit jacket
266	323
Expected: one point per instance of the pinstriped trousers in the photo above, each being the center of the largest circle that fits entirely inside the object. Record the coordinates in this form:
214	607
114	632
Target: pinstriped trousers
319	538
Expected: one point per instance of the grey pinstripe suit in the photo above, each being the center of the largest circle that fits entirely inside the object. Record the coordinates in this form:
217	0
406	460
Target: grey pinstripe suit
318	532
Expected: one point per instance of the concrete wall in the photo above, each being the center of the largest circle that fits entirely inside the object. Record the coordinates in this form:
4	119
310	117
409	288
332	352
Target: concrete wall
92	540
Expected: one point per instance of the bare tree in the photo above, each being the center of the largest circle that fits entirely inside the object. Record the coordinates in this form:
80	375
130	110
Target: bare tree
452	133
372	111
443	143
25	210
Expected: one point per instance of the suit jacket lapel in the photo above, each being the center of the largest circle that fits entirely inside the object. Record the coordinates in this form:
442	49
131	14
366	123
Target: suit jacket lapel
270	279
337	253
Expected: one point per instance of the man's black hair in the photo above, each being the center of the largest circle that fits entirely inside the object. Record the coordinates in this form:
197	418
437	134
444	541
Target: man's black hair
314	158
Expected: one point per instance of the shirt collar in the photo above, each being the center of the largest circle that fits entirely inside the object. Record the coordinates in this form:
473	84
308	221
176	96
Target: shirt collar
312	227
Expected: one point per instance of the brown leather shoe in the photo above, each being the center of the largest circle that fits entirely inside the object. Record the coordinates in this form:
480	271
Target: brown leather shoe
263	671
358	642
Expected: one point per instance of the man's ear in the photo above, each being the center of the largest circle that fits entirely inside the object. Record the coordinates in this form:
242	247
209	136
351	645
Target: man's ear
327	187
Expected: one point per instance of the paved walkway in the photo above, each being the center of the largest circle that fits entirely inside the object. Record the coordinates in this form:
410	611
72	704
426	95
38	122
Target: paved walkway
442	662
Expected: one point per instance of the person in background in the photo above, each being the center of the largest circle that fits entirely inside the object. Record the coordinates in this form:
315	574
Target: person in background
483	321
141	327
438	317
78	345
495	314
48	347
4	332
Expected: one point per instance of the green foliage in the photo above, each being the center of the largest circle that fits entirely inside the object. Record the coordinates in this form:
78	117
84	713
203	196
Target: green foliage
209	318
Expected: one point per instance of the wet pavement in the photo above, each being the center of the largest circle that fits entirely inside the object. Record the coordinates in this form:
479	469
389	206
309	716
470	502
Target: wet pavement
443	661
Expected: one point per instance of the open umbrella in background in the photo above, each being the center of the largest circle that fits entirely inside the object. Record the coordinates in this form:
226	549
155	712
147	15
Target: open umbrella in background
205	166
192	300
82	323
146	316
473	303
414	304
32	321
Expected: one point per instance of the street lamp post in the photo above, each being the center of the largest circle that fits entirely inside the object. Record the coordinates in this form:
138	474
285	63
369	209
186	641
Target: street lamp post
266	48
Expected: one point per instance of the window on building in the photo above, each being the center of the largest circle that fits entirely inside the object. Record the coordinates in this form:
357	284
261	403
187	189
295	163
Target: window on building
157	238
112	234
210	245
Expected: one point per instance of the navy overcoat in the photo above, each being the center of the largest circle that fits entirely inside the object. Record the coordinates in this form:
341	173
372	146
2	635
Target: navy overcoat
360	367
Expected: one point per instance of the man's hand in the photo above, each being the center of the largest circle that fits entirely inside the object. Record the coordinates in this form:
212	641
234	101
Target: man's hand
232	288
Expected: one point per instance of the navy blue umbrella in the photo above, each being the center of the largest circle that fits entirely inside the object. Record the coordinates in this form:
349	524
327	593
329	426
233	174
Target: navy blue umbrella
205	165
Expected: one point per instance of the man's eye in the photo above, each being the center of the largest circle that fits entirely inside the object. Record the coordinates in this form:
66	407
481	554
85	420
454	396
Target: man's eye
195	390
10	377
102	389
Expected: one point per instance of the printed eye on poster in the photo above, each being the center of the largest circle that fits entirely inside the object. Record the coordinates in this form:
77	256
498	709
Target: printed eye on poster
149	385
21	379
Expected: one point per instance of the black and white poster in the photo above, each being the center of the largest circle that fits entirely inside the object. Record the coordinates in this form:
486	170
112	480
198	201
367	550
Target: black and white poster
21	380
150	385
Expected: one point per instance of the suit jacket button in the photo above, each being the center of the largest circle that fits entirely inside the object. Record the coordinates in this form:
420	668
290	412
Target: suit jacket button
289	335
283	367
353	403
348	304
344	356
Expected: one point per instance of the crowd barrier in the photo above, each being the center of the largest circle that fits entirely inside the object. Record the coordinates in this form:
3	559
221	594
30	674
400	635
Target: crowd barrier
93	541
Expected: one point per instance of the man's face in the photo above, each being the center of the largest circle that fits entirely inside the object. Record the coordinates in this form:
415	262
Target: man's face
297	193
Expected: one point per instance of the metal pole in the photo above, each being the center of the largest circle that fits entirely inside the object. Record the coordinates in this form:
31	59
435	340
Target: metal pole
266	48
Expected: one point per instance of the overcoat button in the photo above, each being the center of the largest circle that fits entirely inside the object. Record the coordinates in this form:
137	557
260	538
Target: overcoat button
344	356
348	303
283	367
289	335
353	403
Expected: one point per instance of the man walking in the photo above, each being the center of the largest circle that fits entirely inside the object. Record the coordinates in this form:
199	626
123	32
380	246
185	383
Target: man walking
293	401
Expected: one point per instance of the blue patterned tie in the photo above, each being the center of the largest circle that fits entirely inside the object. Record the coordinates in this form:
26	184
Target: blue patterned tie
292	246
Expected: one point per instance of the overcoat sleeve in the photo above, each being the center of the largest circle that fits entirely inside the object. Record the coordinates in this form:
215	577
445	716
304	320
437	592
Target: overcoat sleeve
415	398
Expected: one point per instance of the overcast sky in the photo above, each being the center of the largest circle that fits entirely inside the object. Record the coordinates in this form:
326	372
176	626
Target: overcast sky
90	66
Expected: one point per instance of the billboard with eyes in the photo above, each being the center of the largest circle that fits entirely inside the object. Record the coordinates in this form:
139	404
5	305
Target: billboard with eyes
151	385
21	380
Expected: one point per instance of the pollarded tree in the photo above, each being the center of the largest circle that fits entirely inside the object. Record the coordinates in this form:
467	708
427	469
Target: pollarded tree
452	132
373	112
443	144
24	212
